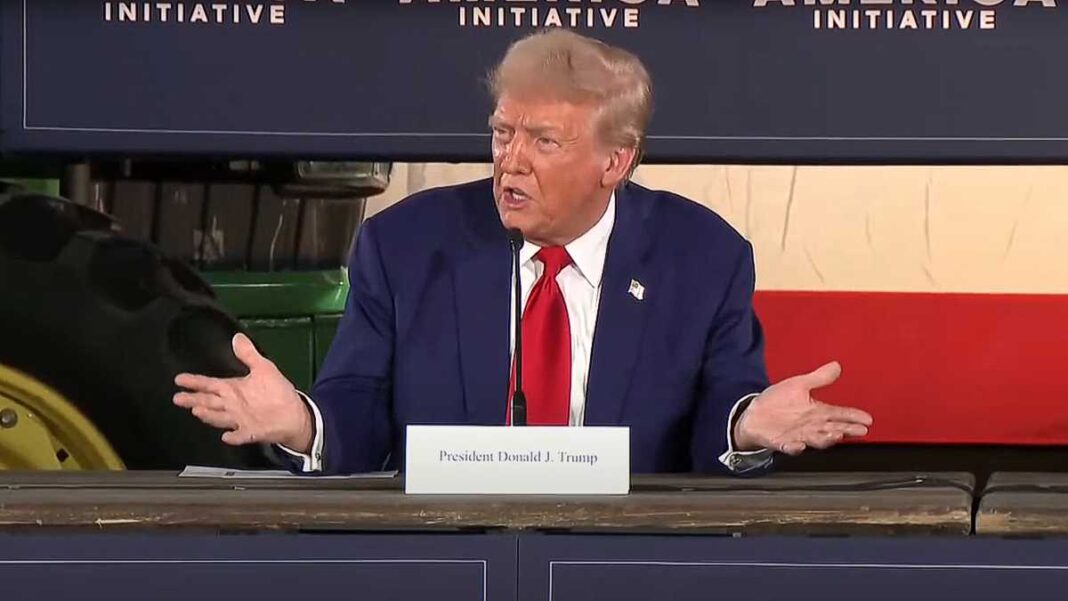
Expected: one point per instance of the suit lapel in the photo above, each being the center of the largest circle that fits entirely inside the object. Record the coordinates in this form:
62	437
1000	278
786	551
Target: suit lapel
481	278
621	317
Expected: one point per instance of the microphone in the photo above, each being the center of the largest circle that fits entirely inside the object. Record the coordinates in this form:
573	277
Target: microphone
519	400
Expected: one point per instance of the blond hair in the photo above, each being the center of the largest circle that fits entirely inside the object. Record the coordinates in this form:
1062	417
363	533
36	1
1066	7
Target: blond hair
565	65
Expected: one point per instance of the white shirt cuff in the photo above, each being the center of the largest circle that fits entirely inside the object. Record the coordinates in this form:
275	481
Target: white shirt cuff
314	461
740	462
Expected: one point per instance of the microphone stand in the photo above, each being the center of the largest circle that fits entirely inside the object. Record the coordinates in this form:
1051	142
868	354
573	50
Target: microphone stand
519	400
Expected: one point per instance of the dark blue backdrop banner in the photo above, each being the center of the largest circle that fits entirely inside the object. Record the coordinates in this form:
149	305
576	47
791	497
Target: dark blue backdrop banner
736	80
263	567
573	568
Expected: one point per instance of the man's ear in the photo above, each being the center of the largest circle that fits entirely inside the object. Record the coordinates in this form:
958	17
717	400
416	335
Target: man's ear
618	167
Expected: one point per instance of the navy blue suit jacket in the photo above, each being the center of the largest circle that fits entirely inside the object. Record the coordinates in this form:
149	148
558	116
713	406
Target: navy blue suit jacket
425	334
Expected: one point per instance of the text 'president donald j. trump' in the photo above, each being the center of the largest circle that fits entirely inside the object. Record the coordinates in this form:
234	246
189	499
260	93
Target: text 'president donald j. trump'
637	304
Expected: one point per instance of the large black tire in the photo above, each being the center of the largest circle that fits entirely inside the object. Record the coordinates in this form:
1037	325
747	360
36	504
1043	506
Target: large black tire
108	322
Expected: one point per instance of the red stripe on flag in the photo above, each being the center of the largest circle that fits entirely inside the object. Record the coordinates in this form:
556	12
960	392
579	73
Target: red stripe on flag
931	368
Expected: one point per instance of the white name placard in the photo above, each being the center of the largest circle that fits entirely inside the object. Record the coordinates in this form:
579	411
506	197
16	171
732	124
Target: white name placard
529	460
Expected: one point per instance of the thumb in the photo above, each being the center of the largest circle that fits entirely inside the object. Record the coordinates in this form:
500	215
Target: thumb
824	376
246	351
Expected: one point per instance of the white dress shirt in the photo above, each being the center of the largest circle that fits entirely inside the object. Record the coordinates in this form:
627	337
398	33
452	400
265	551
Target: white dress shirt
580	284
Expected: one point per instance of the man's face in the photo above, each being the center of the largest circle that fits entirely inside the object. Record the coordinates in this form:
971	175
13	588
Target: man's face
549	168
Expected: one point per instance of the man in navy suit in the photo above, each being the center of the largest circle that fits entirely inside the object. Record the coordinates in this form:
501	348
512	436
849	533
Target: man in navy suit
637	304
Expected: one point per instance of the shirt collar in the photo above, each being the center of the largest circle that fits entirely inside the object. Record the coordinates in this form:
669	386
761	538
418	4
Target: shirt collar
588	251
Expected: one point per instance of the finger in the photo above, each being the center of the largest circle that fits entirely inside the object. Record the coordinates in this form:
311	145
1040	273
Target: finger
851	430
238	437
844	429
191	400
837	413
824	376
246	351
792	448
823	439
218	419
198	383
833	433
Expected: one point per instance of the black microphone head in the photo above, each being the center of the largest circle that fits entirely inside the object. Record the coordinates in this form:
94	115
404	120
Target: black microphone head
515	238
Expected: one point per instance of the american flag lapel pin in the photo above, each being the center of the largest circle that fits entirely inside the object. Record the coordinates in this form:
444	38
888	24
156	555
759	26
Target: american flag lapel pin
637	290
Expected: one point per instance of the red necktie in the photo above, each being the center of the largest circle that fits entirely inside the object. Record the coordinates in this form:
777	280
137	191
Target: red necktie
547	346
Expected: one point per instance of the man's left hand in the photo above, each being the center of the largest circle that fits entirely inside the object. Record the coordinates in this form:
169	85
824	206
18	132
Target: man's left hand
787	419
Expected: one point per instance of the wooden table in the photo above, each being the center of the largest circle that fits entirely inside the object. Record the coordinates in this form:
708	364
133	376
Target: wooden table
1024	504
838	504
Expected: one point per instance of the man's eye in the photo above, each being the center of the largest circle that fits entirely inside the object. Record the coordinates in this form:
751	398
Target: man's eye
547	142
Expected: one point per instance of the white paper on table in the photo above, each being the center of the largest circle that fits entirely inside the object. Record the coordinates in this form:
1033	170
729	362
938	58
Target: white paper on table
197	471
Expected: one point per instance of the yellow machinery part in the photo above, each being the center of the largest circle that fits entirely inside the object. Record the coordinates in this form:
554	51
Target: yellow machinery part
42	430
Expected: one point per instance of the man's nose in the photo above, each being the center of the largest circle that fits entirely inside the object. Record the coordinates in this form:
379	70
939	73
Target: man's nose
514	157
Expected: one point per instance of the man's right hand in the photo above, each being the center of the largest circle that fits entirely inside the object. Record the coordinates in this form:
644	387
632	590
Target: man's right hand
262	407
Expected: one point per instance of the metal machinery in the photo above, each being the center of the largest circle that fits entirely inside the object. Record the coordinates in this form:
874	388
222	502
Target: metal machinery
179	270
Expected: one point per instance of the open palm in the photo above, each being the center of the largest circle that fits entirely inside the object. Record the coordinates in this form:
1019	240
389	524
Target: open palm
261	407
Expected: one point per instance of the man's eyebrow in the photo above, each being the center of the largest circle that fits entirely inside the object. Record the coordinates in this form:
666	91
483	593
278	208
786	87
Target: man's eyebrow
532	128
541	128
